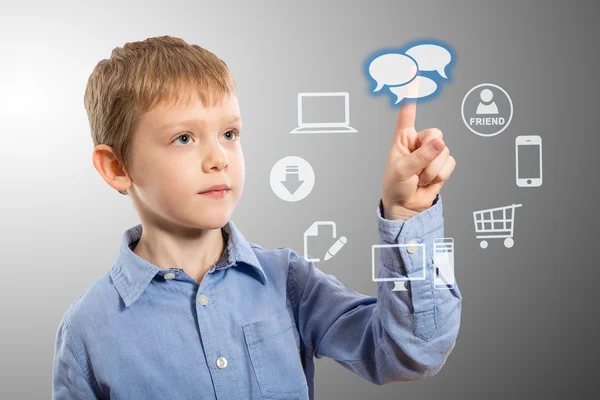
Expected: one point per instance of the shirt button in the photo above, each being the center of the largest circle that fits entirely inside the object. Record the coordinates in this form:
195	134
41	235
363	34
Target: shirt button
203	299
221	362
413	249
169	275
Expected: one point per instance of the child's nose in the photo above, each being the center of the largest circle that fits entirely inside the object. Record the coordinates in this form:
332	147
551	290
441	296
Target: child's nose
215	158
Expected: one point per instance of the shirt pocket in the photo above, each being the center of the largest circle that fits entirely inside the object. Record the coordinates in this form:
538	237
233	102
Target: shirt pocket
273	344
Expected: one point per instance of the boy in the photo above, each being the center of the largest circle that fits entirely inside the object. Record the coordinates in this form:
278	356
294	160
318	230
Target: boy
190	309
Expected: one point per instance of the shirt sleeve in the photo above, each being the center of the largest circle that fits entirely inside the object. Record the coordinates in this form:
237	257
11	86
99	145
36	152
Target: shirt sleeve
396	336
69	378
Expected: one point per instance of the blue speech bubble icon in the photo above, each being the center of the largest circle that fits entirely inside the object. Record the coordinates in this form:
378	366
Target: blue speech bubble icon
431	57
392	69
415	71
420	87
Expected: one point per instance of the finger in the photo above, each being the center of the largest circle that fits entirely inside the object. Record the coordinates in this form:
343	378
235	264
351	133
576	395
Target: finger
429	191
433	169
405	134
445	172
426	134
406	116
415	162
408	110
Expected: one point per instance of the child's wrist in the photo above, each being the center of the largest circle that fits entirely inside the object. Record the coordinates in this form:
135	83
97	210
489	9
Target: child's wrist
394	212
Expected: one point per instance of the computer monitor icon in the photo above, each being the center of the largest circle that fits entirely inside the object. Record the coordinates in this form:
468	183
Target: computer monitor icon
399	283
341	100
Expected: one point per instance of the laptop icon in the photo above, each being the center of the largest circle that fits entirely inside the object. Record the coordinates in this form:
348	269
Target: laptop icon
318	125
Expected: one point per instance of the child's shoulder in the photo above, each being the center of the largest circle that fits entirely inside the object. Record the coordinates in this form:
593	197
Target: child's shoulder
89	305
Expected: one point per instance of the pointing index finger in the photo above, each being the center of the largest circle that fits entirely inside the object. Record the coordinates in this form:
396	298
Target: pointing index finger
408	110
406	116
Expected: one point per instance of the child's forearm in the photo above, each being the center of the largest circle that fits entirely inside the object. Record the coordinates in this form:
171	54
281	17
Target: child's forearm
396	336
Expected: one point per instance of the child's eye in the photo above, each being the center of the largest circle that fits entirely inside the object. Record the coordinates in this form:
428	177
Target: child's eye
233	134
185	135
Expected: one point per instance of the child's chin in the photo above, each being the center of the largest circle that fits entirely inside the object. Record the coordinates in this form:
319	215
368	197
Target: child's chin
216	220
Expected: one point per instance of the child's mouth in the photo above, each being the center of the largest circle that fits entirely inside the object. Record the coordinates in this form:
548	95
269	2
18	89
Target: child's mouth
217	194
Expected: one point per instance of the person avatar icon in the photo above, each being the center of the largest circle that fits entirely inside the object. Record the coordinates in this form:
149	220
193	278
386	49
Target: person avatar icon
487	104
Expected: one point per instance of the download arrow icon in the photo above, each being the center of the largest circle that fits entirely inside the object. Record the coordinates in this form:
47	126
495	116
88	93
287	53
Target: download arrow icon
292	180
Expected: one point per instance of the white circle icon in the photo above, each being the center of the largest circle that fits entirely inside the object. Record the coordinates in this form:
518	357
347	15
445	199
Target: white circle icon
487	109
292	178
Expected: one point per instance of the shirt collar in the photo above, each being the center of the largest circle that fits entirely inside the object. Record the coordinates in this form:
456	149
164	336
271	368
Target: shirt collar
131	274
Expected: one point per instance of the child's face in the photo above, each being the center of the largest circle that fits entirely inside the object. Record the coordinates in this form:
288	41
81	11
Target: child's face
171	165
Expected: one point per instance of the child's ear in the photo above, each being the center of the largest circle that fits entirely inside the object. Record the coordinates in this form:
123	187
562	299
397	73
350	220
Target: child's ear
110	169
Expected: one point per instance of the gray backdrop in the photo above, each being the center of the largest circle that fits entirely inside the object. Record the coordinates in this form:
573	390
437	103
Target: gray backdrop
530	321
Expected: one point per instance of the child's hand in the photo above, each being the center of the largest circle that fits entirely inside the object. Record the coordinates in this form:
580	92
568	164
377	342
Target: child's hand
415	170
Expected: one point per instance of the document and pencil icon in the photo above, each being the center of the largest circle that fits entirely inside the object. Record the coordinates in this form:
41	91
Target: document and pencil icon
335	247
313	230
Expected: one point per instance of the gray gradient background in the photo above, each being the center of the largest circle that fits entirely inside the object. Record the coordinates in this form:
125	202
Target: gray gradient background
530	318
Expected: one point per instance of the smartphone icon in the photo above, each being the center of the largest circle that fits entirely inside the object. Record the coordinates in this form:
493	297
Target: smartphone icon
528	149
443	260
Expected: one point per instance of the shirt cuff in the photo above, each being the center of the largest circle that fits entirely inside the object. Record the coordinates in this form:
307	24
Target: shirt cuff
419	230
415	264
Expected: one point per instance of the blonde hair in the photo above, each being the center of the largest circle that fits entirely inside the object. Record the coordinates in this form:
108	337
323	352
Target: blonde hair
139	76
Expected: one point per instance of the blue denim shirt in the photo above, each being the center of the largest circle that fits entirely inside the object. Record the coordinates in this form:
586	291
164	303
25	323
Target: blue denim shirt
252	327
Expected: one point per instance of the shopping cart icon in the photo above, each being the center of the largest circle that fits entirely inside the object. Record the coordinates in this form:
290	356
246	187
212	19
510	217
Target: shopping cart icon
495	223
